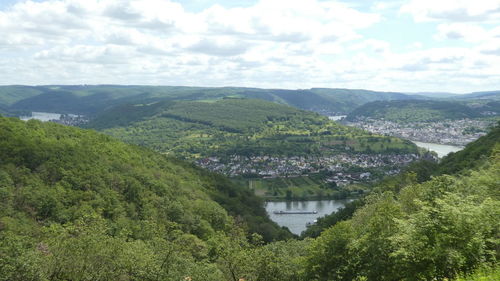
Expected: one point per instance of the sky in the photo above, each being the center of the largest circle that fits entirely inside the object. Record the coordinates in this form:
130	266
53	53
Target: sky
393	45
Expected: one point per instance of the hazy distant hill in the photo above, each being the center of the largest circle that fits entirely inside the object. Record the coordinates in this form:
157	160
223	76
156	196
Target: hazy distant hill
439	95
492	95
12	94
94	99
347	100
425	110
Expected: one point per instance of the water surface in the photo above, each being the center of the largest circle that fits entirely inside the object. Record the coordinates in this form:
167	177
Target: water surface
42	116
337	117
441	149
297	222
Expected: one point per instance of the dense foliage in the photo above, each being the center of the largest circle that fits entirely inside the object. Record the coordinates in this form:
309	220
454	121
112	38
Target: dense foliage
436	229
238	126
78	205
472	155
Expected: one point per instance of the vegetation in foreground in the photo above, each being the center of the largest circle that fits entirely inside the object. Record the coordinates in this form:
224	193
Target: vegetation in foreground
482	274
80	206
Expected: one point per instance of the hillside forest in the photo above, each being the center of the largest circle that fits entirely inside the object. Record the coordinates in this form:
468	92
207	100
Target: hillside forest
79	205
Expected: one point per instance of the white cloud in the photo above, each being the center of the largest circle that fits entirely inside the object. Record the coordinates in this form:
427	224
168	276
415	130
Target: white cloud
272	43
462	31
377	46
453	10
272	35
491	47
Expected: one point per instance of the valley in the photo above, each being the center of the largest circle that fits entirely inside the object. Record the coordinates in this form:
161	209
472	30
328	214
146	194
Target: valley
97	204
286	153
258	141
249	140
76	185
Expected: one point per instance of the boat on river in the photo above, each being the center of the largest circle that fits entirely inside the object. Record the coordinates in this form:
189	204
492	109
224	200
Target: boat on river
295	212
308	224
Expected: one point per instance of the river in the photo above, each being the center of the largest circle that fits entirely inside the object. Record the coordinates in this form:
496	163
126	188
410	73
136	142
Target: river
42	116
297	222
441	149
336	117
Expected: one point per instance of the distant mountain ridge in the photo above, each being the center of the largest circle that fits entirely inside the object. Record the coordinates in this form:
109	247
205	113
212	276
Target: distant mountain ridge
426	110
495	95
435	94
93	99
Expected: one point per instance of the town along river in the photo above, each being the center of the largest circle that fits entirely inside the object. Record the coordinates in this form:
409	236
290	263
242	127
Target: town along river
297	222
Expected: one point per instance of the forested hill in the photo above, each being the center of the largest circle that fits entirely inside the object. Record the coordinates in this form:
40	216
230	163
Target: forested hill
93	99
78	205
418	227
238	126
435	230
490	95
68	195
473	155
424	110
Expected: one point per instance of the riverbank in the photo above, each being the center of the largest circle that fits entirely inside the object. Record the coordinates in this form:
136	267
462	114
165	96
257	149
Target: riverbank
312	187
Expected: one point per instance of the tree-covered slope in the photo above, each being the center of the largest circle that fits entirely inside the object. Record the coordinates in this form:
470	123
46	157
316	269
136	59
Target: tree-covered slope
347	100
237	126
439	229
93	99
77	205
472	157
417	111
12	94
69	194
67	157
491	95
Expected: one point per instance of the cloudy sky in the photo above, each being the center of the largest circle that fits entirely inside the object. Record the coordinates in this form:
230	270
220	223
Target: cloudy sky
393	45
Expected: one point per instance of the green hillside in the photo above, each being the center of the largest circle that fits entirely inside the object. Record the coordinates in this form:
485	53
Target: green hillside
432	230
472	157
348	99
237	126
93	99
422	110
12	94
58	182
491	95
78	205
